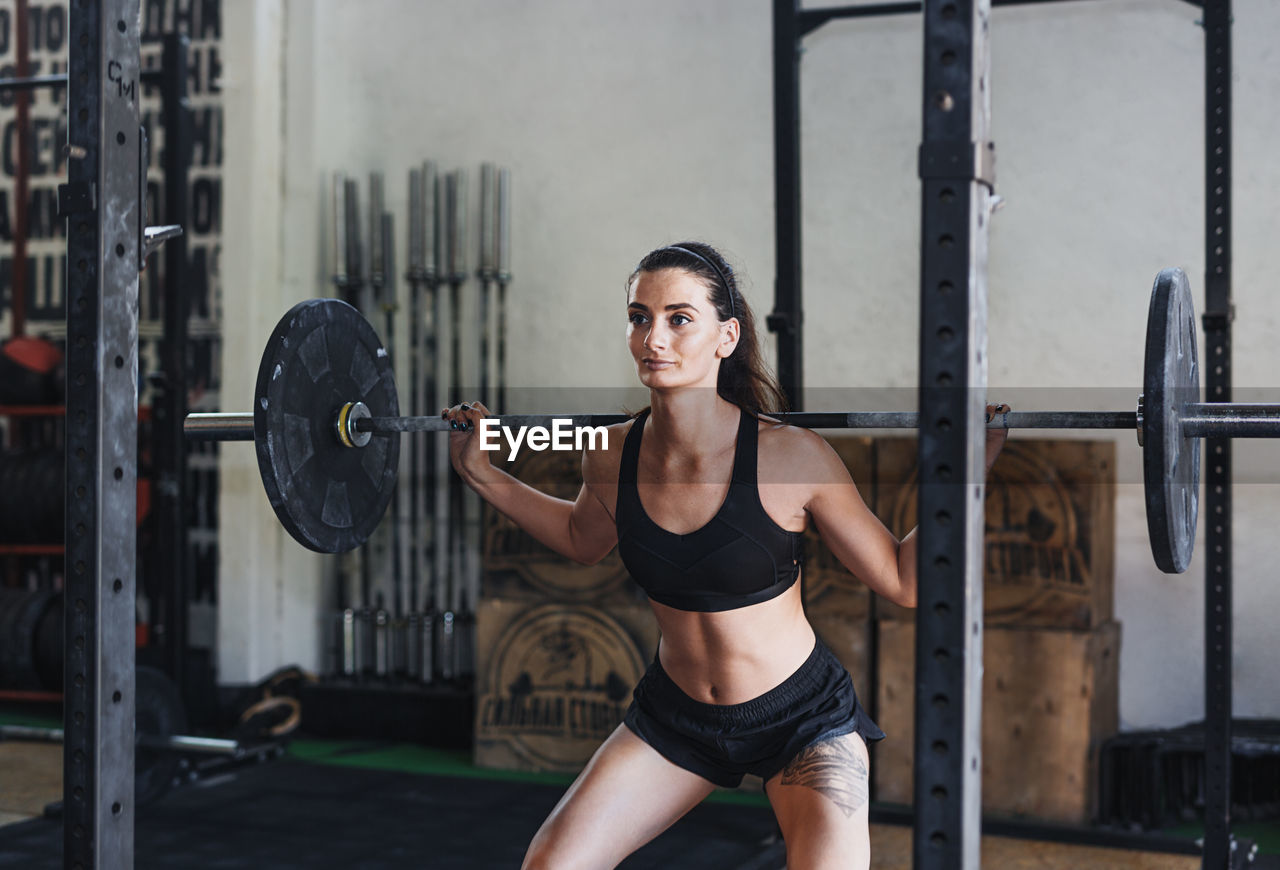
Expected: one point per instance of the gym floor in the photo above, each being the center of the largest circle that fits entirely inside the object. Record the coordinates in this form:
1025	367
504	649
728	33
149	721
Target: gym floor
432	808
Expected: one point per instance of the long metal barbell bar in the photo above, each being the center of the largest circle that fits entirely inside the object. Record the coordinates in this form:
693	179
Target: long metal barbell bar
324	355
159	760
1198	419
164	743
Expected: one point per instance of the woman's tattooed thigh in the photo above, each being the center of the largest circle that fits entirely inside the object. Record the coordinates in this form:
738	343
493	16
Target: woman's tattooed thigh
834	769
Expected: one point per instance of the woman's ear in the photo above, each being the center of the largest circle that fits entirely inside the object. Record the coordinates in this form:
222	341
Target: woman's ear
730	331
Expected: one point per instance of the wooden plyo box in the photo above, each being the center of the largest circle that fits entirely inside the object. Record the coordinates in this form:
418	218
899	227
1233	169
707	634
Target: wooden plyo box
554	680
1049	700
840	619
559	646
1049	533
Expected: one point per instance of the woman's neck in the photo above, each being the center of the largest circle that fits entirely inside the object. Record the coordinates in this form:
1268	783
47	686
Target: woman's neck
692	422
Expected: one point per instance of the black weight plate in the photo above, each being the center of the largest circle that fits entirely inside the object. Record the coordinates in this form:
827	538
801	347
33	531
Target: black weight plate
49	656
22	385
40	496
37	497
321	355
1170	460
25	519
23	612
7	499
13	495
159	714
56	497
18	487
11	600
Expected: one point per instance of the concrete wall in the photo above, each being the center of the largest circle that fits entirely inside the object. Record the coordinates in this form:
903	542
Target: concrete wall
628	125
269	589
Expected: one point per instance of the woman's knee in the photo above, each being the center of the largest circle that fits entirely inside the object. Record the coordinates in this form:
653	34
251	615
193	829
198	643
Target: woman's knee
550	848
542	855
537	859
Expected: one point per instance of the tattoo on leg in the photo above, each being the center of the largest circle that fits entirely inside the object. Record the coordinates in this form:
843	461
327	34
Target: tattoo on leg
833	769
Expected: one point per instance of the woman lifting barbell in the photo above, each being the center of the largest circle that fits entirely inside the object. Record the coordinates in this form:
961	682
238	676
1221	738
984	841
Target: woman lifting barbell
707	499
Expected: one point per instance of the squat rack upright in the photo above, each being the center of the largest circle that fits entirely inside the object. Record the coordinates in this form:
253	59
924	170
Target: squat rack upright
946	834
103	202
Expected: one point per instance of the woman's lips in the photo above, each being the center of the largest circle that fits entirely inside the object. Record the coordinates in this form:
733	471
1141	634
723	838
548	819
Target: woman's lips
657	364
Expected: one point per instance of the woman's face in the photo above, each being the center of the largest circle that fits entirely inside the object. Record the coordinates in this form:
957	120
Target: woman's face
673	331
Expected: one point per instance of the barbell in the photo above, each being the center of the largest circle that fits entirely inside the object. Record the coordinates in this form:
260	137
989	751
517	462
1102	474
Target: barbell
159	716
325	388
160	748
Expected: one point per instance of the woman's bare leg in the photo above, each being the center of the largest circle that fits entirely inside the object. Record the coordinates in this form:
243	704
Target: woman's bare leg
821	801
626	796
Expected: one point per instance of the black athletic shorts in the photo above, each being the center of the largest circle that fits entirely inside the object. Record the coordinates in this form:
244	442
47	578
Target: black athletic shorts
722	742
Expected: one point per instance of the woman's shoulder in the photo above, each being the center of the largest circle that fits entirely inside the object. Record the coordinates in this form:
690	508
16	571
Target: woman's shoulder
784	435
792	450
602	459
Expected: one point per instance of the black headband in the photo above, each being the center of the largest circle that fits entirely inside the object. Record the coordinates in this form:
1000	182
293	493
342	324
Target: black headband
728	288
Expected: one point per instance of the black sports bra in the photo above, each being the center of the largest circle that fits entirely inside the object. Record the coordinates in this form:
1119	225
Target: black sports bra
740	557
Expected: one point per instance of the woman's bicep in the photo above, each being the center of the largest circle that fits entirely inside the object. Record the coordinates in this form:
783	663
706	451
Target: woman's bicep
591	528
591	523
852	532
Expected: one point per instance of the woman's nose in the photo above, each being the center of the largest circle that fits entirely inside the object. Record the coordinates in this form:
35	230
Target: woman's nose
655	337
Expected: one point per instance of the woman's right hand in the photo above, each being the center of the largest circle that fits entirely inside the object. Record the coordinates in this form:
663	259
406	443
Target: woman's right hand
464	439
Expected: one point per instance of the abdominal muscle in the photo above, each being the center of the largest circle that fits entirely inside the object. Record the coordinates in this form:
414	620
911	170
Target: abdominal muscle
734	655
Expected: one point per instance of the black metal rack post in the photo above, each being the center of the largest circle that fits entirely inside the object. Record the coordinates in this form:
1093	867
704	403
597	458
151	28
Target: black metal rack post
101	200
956	174
786	318
1217	365
170	553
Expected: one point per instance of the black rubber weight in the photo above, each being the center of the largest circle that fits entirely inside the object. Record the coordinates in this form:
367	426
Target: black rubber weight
1170	460
49	657
21	612
159	714
321	355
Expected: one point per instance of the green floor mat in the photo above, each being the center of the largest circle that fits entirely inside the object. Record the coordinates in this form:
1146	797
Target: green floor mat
30	721
412	758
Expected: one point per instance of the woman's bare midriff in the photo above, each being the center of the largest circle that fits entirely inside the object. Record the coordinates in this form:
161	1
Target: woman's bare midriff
734	655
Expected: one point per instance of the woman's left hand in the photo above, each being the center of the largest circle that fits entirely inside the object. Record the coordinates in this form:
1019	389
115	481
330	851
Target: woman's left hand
995	437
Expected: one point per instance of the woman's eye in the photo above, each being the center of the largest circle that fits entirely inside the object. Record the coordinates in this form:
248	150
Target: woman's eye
635	318
680	319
